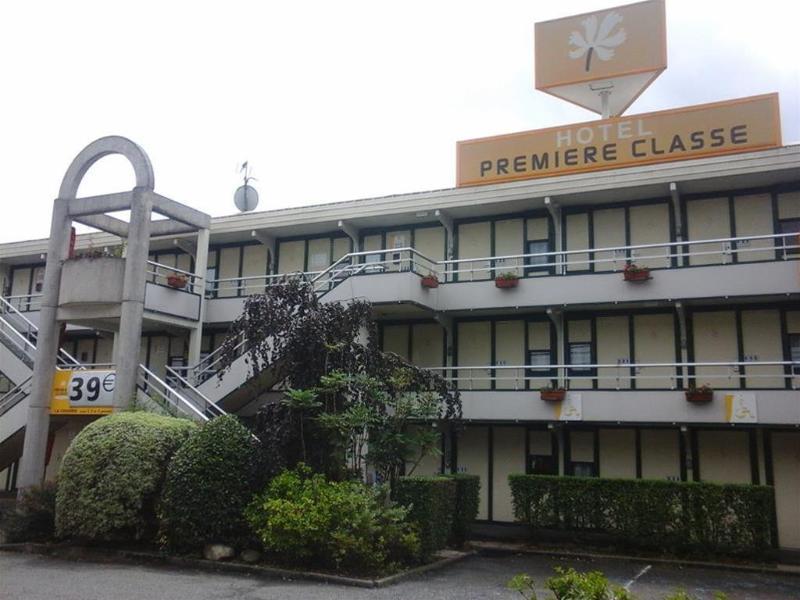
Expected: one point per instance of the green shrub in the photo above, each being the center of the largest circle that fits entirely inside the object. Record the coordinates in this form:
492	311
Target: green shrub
33	519
112	475
568	584
303	518
208	486
467	502
677	516
431	504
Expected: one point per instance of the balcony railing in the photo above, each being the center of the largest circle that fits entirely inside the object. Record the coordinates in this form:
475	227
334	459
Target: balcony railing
659	255
164	274
613	376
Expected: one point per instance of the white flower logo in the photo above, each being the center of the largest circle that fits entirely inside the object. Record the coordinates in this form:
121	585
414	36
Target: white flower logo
597	40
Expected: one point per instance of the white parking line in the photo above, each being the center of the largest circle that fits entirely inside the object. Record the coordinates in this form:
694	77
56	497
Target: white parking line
628	585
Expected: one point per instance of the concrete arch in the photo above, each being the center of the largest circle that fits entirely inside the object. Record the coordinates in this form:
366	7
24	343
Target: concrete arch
112	144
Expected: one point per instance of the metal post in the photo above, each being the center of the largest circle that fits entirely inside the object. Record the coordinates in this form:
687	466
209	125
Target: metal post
604	103
38	422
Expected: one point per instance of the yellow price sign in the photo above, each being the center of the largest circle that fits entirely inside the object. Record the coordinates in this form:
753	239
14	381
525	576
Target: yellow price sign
82	392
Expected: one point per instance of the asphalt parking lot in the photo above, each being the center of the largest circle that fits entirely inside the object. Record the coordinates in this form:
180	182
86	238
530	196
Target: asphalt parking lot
33	577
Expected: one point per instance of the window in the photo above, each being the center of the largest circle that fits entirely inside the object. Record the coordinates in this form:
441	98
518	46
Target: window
539	357
583	469
538	263
791	226
580	354
541	464
794	352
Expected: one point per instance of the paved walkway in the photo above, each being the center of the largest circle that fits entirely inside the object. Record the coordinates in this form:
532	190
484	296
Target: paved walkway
33	577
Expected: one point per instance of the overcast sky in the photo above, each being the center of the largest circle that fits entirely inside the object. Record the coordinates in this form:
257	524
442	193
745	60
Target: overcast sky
327	100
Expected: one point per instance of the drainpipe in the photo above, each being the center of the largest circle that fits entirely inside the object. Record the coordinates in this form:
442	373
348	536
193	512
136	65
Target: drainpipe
684	342
557	318
676	212
555	213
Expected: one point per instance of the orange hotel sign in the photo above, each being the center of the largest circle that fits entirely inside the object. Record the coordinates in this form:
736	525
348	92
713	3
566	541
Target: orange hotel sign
732	126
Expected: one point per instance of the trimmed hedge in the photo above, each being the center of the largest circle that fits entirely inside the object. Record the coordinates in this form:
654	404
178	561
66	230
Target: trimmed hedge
208	486
467	502
112	475
677	516
430	501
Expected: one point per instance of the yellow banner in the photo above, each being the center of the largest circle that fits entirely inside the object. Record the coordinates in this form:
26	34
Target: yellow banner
740	125
82	393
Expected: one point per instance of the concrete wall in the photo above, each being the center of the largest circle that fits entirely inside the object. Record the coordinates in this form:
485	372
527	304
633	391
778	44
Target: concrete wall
473	453
669	284
661	454
786	470
509	458
708	218
617	453
474	242
754	216
724	456
650	406
649	224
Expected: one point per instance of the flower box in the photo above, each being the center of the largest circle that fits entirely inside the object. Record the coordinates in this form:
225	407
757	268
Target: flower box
699	396
636	273
429	281
552	395
177	281
505	282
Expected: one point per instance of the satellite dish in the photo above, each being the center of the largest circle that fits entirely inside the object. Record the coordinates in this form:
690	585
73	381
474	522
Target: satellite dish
245	198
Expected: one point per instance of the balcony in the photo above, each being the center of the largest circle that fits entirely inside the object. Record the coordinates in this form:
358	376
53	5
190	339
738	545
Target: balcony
760	265
91	293
643	392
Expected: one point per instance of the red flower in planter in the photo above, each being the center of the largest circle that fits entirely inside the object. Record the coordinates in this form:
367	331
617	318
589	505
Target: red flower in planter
633	272
507	280
551	394
429	281
700	395
177	281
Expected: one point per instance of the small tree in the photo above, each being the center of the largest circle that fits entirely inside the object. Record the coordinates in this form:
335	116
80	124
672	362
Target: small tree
331	350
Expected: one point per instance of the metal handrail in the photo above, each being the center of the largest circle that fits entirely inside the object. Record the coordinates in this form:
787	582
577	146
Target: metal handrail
209	404
64	357
27	346
6	307
625	371
174	269
214	286
557	253
13	396
23	299
146	376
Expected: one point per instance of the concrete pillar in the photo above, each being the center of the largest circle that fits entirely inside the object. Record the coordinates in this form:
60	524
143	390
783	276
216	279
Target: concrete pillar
200	266
37	426
133	289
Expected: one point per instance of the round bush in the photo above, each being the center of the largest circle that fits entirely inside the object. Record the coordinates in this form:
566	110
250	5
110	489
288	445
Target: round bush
112	475
304	518
208	486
